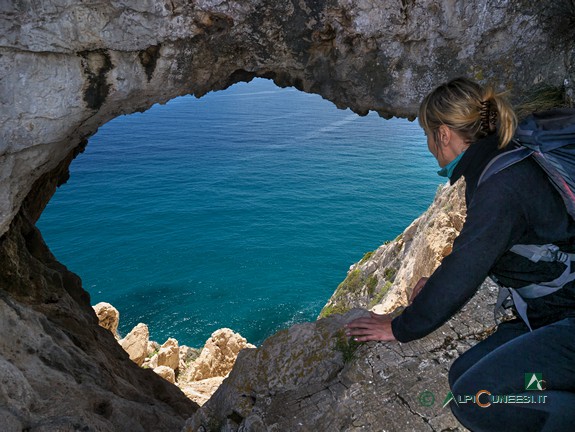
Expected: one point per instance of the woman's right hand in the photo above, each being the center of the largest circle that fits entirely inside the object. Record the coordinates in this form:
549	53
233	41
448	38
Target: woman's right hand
417	288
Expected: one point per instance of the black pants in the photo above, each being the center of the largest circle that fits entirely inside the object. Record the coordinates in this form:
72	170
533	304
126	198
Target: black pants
498	365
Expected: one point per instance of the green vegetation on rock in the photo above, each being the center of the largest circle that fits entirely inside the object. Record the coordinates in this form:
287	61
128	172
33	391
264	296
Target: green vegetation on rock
351	284
356	287
541	98
333	309
346	346
379	296
390	273
367	256
371	284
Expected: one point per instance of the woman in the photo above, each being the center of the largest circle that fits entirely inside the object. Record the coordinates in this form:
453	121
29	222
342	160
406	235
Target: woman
467	126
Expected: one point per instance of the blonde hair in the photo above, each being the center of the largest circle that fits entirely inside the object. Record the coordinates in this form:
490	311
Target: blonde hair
471	110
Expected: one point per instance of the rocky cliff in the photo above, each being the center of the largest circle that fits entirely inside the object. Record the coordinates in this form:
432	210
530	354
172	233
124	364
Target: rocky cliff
311	378
68	67
307	378
198	372
60	370
383	279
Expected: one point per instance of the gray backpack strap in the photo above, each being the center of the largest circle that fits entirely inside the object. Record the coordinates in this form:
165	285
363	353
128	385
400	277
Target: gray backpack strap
520	306
547	253
511	294
502	161
536	253
545	288
501	304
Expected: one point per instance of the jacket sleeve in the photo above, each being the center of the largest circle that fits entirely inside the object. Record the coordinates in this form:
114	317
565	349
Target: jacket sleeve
495	222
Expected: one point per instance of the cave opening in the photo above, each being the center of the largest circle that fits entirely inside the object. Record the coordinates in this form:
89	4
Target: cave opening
241	209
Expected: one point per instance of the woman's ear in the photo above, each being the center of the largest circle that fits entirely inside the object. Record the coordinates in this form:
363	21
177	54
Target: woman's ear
444	135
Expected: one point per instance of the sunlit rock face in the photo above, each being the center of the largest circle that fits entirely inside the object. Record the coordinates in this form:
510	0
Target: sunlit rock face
68	67
310	378
383	279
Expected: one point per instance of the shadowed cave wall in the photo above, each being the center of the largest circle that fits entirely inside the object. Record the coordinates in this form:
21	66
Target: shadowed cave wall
67	68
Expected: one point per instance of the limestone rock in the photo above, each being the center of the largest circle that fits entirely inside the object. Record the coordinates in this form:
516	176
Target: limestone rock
201	391
187	355
310	377
136	343
60	370
200	378
111	58
383	279
201	372
431	241
169	354
218	355
166	372
68	68
108	317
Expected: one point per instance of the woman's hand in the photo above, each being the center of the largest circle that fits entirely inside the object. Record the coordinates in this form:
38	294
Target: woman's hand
378	327
375	327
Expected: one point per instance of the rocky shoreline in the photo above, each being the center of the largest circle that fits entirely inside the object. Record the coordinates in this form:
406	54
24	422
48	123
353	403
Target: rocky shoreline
198	372
311	377
380	281
302	373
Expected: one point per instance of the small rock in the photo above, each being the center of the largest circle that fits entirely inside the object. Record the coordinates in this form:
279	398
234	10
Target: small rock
201	391
218	356
136	343
167	373
187	355
108	317
152	362
169	354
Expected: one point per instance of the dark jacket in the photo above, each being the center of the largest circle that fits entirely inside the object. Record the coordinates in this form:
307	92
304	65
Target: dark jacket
516	206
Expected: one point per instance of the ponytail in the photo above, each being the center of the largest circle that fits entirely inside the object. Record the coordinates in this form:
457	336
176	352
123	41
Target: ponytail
470	109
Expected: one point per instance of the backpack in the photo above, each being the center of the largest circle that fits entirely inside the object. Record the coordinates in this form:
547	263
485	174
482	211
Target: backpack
549	138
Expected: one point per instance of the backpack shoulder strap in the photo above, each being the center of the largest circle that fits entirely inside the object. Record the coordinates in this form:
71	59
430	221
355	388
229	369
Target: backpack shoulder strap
504	160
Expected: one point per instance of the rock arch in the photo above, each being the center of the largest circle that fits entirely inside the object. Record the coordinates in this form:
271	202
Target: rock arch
66	68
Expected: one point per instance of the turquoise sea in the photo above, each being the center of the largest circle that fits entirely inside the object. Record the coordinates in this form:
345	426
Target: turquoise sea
242	209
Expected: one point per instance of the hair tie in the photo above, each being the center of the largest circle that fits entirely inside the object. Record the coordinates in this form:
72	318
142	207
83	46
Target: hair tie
488	117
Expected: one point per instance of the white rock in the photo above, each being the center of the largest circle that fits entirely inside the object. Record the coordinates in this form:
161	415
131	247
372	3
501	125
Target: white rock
108	317
166	372
218	356
136	343
169	354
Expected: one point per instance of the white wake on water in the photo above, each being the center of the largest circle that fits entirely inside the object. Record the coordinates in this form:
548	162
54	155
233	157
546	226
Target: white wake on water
331	127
